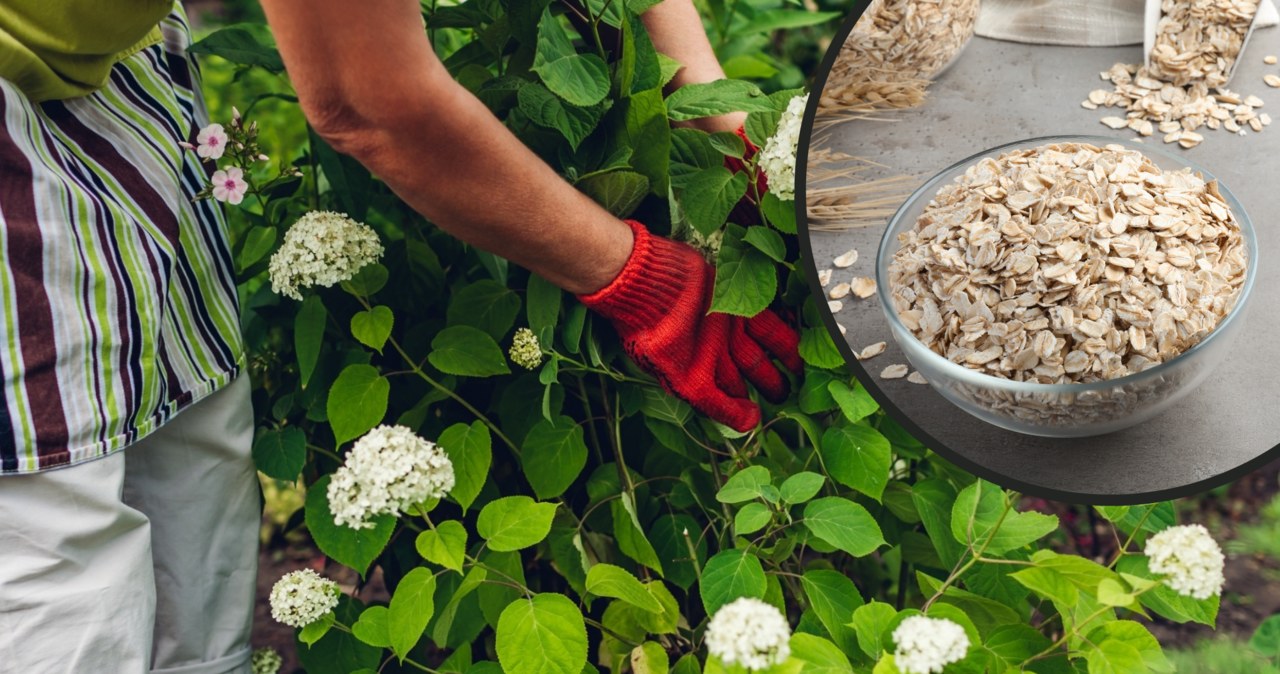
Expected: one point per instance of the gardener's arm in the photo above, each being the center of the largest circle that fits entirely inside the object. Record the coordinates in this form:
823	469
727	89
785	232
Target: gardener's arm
372	87
675	27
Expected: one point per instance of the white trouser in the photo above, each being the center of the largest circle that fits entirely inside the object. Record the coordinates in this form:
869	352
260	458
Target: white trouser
143	560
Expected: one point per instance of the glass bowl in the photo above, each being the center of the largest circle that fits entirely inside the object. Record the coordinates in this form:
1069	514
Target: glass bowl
1064	410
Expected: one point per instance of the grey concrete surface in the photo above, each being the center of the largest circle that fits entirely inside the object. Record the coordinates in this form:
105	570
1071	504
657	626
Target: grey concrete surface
999	92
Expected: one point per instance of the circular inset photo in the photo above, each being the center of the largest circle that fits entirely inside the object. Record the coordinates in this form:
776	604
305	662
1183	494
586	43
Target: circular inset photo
1032	230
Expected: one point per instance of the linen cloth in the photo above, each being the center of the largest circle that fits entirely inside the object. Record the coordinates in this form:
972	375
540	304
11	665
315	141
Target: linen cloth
1085	23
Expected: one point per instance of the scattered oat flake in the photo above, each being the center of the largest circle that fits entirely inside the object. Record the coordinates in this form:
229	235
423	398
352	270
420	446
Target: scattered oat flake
1115	122
840	291
843	330
1269	59
871	351
863	286
1272	80
917	378
895	371
846	260
835	306
824	277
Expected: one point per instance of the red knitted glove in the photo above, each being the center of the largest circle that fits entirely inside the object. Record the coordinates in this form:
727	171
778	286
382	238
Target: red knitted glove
658	304
746	212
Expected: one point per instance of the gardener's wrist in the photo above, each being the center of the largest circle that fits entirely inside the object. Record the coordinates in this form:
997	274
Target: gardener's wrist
608	257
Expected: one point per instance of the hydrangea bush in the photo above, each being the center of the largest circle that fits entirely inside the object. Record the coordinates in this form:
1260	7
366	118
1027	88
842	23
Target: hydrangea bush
535	503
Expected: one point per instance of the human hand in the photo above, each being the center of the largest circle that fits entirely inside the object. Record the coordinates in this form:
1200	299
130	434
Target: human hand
658	304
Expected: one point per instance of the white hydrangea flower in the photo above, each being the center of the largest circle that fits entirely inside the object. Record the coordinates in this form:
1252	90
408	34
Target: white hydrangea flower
321	249
266	661
778	158
927	645
750	633
388	470
1189	559
525	349
302	597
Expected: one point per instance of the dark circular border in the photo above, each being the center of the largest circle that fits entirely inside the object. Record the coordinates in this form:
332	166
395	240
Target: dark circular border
817	85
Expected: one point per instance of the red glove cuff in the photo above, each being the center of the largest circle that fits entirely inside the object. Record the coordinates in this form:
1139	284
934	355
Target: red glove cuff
658	271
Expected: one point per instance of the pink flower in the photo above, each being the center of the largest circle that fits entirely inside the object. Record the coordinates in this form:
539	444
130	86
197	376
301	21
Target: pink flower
229	185
212	142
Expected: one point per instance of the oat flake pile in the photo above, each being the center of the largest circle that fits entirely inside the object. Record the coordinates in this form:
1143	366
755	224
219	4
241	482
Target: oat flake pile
1068	263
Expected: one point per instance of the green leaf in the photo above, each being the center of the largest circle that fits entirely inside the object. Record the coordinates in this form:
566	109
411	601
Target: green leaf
370	279
728	575
781	214
542	307
371	628
801	487
781	19
356	548
744	485
542	635
1049	584
1266	639
280	452
767	241
546	110
844	524
728	144
315	630
751	518
411	608
746	279
470	449
1016	643
445	545
694	101
650	658
1167	602
373	327
580	79
933	499
1115	657
977	511
1112	593
352	184
467	352
357	401
667	533
1137	636
709	195
817	349
607	580
258	241
857	457
308	335
618	192
629	534
748	67
339	651
244	43
554	454
819	655
855	403
871	624
514	522
833	598
487	305
645	130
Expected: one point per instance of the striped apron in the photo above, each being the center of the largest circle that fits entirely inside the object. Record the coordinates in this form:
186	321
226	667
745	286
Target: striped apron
117	294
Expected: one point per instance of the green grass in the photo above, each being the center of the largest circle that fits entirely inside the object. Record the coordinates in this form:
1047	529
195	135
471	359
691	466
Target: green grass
1221	656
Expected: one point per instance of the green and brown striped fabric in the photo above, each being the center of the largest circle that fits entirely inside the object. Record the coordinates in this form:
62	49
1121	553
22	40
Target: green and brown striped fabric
117	291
